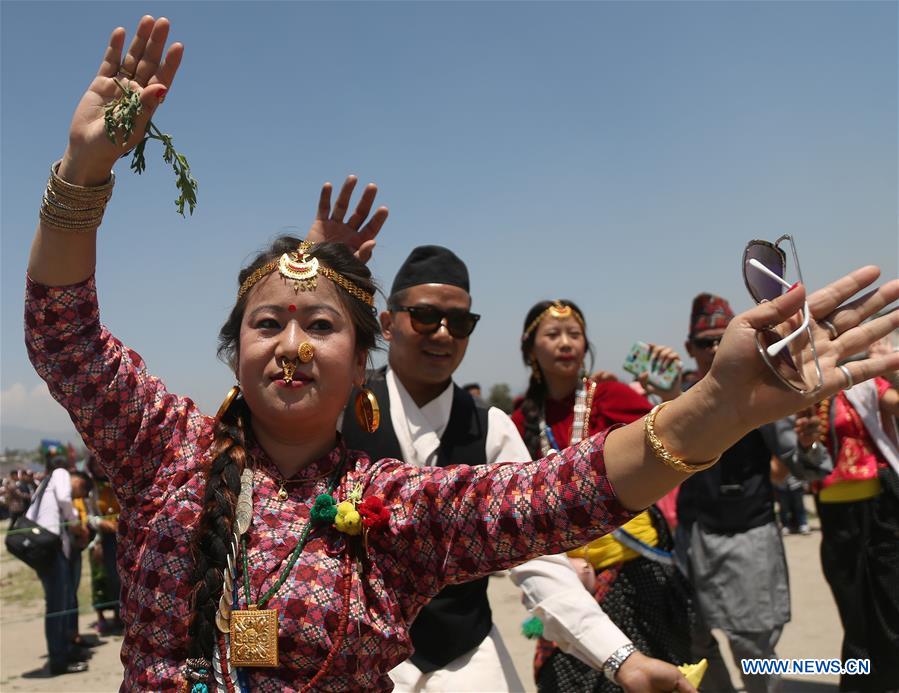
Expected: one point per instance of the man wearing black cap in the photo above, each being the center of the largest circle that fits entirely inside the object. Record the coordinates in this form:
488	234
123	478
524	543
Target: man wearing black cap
427	420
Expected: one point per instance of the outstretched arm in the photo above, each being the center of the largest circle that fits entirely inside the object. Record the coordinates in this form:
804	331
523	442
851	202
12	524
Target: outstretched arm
60	256
740	393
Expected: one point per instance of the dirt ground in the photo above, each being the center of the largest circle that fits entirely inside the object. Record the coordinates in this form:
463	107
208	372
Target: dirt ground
814	631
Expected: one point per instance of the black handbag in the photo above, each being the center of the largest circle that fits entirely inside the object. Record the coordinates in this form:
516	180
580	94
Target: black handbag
30	542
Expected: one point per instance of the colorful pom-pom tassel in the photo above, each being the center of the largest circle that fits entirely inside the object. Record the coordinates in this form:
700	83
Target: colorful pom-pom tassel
348	519
199	687
532	628
375	515
324	510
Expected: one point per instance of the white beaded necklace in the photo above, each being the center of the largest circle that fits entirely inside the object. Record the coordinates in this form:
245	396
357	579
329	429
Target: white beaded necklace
583	405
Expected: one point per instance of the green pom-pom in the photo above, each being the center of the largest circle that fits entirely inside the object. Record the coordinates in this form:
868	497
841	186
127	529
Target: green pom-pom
532	628
324	510
199	688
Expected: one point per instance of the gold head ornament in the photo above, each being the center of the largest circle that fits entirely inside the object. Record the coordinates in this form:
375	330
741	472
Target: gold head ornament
557	310
299	267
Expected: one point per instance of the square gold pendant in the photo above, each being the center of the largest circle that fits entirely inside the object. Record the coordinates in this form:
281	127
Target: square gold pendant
254	638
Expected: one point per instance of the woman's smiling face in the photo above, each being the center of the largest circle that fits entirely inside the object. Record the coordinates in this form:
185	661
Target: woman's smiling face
276	321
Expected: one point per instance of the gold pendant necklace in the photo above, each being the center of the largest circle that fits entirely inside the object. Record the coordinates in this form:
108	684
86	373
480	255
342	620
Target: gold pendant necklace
254	637
254	631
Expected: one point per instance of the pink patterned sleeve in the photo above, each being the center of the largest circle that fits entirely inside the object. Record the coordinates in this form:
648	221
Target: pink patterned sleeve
125	416
453	524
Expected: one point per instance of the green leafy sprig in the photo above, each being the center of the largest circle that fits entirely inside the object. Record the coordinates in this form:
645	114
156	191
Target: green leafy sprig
121	114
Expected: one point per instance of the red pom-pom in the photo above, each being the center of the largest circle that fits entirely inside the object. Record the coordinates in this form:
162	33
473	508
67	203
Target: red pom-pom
375	515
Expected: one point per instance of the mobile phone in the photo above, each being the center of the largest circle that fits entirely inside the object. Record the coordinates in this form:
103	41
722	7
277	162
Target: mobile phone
638	362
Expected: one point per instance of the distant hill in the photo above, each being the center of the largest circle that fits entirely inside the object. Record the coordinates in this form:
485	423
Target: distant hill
19	438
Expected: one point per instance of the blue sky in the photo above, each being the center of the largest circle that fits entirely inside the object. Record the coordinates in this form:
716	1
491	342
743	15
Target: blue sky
617	154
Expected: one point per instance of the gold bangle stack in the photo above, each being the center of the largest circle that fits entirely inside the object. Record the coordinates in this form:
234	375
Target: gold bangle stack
74	207
659	450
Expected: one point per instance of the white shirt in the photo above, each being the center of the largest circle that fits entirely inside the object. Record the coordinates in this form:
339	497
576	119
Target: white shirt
418	429
55	507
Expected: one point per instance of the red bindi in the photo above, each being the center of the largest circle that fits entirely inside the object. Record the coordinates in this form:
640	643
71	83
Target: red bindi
292	308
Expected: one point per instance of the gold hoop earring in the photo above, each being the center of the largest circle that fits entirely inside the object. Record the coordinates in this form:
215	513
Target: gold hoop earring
229	400
368	413
305	352
535	371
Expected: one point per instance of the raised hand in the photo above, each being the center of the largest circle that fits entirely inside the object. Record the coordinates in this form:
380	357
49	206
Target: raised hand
754	395
91	154
355	232
660	357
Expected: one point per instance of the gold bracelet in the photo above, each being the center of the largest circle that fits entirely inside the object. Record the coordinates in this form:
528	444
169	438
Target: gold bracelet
61	186
74	212
71	203
65	219
659	450
74	207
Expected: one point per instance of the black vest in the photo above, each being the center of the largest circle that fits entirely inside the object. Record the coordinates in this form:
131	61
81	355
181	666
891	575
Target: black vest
458	619
735	495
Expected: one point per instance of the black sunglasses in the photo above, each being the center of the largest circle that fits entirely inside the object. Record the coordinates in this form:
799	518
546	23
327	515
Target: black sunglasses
706	342
427	320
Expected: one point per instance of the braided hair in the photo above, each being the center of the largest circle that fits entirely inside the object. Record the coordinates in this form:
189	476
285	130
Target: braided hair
535	396
227	456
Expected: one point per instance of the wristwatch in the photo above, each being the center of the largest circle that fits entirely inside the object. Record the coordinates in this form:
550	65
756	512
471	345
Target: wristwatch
616	659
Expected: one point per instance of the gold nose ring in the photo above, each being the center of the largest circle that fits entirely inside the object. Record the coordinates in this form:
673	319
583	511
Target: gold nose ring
288	367
305	352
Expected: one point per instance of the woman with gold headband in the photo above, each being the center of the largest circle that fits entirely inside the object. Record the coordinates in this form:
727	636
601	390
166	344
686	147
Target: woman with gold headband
642	603
256	551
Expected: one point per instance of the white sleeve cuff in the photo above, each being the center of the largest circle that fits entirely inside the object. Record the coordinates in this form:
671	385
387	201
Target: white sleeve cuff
571	616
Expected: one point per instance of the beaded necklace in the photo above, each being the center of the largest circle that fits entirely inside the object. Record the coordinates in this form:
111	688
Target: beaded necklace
254	630
824	417
583	406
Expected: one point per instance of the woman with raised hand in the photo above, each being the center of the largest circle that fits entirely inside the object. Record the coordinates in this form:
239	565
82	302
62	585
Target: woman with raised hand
256	551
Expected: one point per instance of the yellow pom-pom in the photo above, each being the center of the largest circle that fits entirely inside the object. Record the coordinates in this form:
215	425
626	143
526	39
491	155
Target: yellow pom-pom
694	672
348	519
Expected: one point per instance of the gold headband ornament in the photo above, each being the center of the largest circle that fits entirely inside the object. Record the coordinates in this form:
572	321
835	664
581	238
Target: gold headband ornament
556	310
302	269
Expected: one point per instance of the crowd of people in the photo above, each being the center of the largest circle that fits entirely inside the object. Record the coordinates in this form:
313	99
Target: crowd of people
16	490
333	528
72	500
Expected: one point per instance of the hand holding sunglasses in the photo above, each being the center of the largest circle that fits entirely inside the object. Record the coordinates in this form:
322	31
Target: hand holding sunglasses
782	341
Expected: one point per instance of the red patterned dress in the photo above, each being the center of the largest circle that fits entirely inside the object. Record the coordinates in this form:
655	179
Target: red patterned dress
447	525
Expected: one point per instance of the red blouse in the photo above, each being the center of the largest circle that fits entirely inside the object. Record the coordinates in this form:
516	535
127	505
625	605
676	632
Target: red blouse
613	403
447	525
858	458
